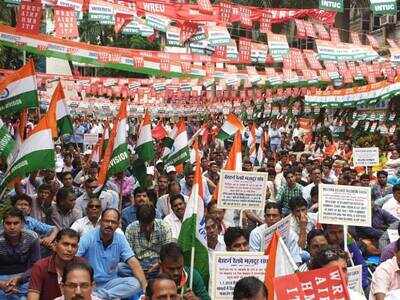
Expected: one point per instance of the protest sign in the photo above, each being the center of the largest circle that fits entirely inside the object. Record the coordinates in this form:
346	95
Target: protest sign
242	190
230	267
283	226
365	156
324	283
344	205
90	138
354	278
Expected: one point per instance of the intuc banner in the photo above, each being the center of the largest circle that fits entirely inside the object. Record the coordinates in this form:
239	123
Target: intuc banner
333	5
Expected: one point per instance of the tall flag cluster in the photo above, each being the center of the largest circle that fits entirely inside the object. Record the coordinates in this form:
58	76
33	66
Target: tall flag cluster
145	142
230	127
177	152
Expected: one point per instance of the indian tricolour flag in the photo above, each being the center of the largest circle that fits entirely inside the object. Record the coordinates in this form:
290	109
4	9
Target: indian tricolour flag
19	90
192	237
229	128
145	142
35	153
180	150
7	143
59	112
116	157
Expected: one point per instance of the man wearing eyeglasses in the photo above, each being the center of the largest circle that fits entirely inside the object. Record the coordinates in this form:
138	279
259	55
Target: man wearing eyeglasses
77	283
92	218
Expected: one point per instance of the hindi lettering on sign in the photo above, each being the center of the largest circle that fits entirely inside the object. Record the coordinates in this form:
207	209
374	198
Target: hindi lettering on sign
366	156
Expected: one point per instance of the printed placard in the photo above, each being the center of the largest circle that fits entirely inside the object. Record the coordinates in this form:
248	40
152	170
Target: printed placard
283	227
365	156
242	190
230	267
90	138
354	278
344	205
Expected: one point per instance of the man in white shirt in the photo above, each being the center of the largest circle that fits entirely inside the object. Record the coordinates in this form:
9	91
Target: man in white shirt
91	220
393	204
174	219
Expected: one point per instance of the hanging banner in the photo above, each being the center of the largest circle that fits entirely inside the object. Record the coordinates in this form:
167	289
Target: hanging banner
328	50
218	35
65	23
278	46
333	5
157	22
29	17
244	50
173	35
384	7
121	20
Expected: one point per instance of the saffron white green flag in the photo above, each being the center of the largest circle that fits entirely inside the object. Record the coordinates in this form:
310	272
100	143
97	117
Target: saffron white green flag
19	90
192	237
7	143
168	142
230	126
145	142
35	153
120	155
59	111
180	150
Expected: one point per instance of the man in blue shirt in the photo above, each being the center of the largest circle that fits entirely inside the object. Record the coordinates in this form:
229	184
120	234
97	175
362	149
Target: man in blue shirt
104	249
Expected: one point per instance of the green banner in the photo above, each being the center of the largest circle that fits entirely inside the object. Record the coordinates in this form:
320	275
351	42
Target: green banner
334	5
384	7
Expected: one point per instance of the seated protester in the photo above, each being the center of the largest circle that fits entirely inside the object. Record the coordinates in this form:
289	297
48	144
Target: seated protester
315	179
215	241
390	250
287	191
19	250
327	173
332	256
41	204
175	218
92	218
46	232
236	239
386	277
301	221
297	169
171	263
187	183
163	204
273	214
314	200
106	196
370	236
250	288
162	185
218	214
68	182
365	180
49	177
392	206
146	237
103	248
382	188
74	276
129	213
45	272
63	212
161	287
334	235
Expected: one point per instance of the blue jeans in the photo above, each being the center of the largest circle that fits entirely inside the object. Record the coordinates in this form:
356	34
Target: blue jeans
22	289
120	287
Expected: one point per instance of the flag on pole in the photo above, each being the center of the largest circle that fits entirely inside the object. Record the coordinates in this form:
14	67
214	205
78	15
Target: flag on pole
159	132
180	150
168	142
106	135
97	151
35	153
229	128
116	157
145	142
192	237
7	143
19	90
59	113
280	263
251	144
260	151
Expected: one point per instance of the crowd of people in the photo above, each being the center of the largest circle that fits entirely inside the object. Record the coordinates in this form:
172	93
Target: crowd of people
63	239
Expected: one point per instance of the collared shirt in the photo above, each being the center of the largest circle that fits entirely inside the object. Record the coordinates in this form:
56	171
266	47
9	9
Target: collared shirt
147	250
125	186
129	216
84	225
61	220
109	199
104	260
174	223
45	280
312	220
379	192
39	227
186	190
385	278
285	194
257	234
19	258
393	207
164	206
307	192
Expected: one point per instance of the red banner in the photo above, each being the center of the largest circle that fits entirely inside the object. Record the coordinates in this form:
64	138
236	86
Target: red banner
310	29
325	283
245	16
186	66
335	38
312	59
29	17
121	20
244	50
138	62
355	38
373	41
220	52
205	6
225	11
301	29
323	34
65	24
188	29
265	23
